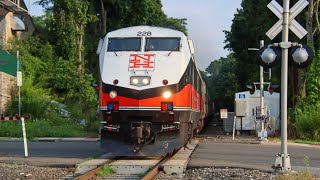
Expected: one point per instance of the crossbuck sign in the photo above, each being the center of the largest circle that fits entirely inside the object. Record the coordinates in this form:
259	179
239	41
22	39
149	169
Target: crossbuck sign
294	26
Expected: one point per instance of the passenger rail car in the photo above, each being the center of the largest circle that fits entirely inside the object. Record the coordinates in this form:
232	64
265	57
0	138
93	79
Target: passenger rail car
152	97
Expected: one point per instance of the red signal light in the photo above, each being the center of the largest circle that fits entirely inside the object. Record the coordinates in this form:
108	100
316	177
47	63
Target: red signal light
116	106
271	88
165	82
171	117
164	107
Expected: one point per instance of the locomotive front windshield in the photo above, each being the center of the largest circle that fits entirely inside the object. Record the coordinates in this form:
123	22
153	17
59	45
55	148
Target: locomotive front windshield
162	44
124	44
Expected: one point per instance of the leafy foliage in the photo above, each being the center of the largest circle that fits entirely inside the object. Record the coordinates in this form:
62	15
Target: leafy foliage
313	80
125	13
59	61
222	81
249	26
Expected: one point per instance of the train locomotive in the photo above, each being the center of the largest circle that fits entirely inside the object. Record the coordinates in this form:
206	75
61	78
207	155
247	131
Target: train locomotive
152	98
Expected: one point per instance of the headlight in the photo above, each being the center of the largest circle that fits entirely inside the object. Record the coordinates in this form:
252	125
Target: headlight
135	81
140	80
145	81
113	94
167	94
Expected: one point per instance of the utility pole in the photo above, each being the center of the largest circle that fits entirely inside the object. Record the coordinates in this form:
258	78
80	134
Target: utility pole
262	97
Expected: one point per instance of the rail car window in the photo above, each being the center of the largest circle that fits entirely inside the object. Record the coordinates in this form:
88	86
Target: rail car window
124	44
162	44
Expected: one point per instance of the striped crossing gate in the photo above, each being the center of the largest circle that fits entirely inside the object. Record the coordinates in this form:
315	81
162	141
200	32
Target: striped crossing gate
22	119
14	118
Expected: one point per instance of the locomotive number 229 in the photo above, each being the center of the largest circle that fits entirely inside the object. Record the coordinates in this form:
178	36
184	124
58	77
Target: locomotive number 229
144	33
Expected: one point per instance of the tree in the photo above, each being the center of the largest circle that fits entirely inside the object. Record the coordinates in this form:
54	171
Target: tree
248	27
222	82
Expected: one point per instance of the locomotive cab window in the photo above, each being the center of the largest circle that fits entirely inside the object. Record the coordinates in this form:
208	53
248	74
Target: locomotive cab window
124	44
162	44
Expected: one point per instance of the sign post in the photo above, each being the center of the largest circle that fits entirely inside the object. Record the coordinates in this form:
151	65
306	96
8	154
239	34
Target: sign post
19	82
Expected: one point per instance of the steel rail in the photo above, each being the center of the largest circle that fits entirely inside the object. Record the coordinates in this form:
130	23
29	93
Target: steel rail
156	169
89	174
147	176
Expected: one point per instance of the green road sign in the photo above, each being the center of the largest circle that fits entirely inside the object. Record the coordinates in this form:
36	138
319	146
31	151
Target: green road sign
8	63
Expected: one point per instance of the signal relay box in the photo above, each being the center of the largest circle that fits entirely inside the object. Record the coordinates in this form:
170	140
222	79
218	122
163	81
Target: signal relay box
240	107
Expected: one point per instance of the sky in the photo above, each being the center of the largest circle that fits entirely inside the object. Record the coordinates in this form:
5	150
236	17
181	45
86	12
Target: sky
206	20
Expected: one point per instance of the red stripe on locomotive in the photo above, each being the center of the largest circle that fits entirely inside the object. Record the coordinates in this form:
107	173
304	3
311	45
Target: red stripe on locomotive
179	99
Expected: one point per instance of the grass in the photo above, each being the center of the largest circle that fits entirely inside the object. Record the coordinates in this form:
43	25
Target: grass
106	170
42	128
301	141
295	176
303	175
306	142
88	159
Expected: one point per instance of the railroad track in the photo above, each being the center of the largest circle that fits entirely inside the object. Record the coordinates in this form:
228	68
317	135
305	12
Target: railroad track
142	168
122	164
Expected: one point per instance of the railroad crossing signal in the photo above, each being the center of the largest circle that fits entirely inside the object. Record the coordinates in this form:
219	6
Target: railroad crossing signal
294	26
301	57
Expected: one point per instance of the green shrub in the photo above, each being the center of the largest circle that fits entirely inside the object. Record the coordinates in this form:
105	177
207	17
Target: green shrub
307	122
82	110
46	120
42	128
34	100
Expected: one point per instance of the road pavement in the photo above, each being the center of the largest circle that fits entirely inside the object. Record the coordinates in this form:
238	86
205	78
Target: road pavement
252	156
61	153
213	151
217	149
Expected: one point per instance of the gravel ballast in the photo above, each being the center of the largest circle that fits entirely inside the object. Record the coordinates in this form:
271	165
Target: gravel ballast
21	171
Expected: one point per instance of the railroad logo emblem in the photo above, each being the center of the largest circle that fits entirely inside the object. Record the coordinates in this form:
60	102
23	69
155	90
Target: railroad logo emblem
141	62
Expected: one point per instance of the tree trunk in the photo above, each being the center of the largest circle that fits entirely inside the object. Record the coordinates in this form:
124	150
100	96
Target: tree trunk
317	16
293	84
302	72
309	23
80	47
103	19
